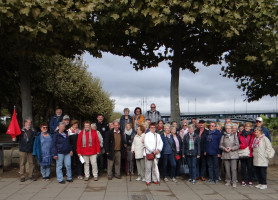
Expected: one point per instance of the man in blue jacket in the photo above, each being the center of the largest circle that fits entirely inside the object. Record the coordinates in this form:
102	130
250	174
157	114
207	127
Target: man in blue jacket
212	151
54	121
259	123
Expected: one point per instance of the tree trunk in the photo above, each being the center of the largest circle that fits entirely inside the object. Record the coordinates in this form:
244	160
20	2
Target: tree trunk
175	102
175	77
25	89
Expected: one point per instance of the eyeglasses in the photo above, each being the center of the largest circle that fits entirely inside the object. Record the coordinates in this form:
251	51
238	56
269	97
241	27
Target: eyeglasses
258	122
212	125
44	127
184	125
153	107
152	127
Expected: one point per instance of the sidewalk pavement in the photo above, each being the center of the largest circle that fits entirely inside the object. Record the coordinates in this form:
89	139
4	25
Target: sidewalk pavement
12	189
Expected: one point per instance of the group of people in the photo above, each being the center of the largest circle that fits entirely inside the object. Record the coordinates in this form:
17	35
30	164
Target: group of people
154	146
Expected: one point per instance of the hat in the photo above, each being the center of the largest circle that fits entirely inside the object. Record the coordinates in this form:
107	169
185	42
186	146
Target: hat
66	117
259	119
201	121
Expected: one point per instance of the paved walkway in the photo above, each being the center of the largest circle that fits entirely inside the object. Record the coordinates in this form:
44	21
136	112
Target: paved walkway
12	189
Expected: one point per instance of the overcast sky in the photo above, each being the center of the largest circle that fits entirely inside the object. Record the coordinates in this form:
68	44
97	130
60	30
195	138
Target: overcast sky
213	92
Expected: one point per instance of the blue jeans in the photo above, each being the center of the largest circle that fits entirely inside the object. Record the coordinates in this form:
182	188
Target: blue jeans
171	158
213	167
66	159
192	165
201	166
45	171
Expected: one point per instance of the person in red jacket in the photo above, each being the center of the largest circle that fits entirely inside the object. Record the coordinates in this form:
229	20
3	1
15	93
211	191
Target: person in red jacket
88	147
246	138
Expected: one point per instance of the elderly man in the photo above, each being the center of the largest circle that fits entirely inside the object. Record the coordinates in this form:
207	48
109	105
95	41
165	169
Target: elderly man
153	114
26	142
54	121
114	146
259	123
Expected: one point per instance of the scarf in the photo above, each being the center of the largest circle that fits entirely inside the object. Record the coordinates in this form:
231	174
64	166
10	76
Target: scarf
128	132
159	128
210	133
191	142
182	133
84	138
257	141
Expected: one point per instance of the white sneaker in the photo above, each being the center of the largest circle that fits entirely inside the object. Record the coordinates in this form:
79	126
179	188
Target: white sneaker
263	187
174	180
258	186
138	179
144	180
166	179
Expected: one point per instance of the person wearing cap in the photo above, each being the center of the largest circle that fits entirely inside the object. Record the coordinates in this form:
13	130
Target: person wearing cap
259	123
66	120
202	161
54	121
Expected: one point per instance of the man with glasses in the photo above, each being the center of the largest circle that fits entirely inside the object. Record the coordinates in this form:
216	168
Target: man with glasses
259	123
153	114
212	151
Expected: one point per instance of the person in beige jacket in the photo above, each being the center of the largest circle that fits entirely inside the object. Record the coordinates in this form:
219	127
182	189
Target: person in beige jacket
229	145
261	153
138	149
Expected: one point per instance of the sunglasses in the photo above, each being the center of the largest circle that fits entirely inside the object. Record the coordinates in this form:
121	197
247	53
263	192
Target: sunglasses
258	122
44	127
153	107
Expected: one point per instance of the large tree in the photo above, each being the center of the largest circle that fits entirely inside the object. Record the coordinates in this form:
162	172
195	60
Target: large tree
29	28
183	33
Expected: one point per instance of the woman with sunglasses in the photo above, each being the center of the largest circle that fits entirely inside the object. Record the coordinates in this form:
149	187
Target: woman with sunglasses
42	150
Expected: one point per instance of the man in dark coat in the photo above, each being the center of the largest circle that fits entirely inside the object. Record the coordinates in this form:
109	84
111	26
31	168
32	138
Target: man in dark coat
114	149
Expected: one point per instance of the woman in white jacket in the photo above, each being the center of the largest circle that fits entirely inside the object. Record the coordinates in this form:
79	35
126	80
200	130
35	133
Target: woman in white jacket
138	149
261	153
154	145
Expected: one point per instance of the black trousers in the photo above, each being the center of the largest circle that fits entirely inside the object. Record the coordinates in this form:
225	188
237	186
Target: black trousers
246	170
261	174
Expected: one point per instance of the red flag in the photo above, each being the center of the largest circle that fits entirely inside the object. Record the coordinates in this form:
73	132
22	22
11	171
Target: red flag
14	129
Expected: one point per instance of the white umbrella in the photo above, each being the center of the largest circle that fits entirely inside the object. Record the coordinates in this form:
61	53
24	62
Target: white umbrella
156	171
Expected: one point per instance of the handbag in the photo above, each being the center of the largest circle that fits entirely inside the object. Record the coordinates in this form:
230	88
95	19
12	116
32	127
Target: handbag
177	156
151	156
245	153
184	169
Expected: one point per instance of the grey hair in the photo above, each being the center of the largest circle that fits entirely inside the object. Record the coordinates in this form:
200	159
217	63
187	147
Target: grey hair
62	123
234	125
228	125
27	119
173	127
127	109
167	125
116	121
94	125
191	126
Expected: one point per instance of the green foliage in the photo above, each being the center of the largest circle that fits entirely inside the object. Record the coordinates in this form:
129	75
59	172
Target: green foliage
115	116
272	125
58	81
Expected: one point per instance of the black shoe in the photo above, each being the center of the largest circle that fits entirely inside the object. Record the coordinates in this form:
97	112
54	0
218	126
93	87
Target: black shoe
70	181
33	178
22	180
62	182
118	177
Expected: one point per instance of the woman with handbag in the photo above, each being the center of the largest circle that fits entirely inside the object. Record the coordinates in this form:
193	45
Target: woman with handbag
191	151
168	153
229	146
262	151
154	145
178	143
245	152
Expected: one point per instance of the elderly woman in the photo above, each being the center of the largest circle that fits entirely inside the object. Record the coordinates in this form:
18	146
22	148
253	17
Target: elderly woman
154	145
138	149
261	153
146	125
168	153
184	130
138	118
246	138
229	146
218	126
100	138
73	136
42	150
126	118
129	134
62	152
191	150
234	128
178	143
